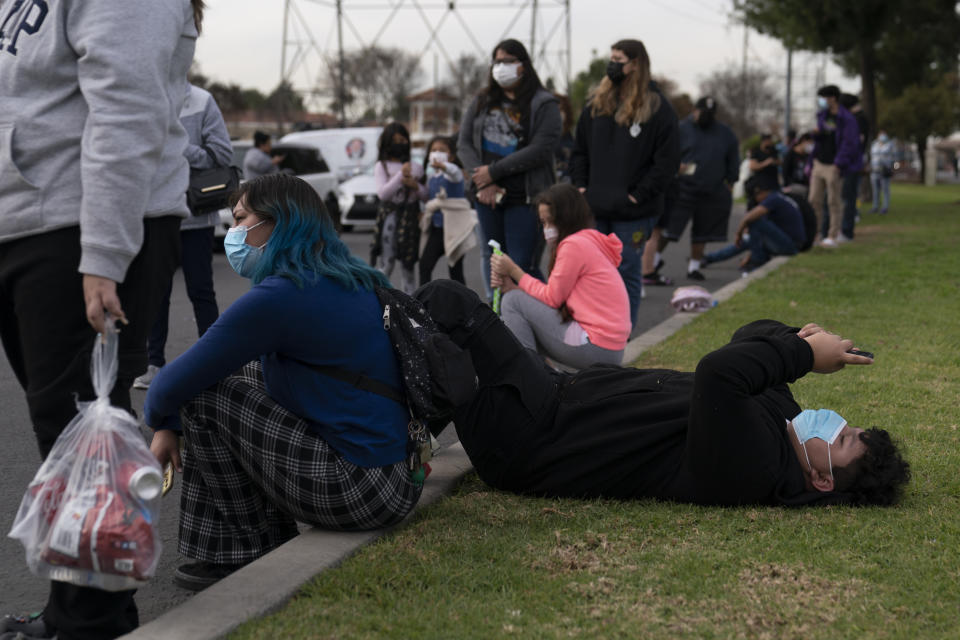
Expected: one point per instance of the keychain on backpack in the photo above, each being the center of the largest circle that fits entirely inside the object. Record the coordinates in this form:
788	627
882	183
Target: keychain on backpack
496	292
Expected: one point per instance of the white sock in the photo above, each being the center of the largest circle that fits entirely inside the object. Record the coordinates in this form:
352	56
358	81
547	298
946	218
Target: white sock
693	266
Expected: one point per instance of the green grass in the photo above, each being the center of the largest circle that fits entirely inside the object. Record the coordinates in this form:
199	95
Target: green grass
486	564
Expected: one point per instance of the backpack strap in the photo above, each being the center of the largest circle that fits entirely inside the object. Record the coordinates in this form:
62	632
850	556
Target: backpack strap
358	380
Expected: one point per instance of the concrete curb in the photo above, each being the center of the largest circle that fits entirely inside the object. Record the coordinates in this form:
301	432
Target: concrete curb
671	325
270	582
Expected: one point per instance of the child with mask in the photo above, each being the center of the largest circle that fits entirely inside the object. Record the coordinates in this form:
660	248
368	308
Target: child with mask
400	189
448	222
270	438
581	316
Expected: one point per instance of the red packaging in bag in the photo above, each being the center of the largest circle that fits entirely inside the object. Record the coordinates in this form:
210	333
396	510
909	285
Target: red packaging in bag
107	531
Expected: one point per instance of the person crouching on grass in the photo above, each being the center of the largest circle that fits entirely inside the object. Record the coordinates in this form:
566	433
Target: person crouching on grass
270	440
729	433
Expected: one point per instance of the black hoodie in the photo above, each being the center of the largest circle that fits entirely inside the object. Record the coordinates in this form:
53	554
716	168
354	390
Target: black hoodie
613	161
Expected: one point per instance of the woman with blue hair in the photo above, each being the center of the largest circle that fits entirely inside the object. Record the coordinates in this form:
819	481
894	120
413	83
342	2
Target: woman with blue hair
270	439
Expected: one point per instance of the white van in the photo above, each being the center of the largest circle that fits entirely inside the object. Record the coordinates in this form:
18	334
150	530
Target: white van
347	151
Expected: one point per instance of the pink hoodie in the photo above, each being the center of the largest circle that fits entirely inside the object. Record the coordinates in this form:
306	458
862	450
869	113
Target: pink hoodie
585	277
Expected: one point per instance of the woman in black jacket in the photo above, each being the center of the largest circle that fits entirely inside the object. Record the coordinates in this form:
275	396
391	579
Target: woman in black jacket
626	152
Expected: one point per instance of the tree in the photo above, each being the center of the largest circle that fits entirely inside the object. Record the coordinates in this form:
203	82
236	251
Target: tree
745	103
920	111
378	80
895	42
681	101
469	75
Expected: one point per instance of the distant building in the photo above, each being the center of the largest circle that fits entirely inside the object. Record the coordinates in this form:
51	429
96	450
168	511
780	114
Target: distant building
242	124
432	112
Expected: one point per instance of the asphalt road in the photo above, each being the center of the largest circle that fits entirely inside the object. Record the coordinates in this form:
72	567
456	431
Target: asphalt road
22	592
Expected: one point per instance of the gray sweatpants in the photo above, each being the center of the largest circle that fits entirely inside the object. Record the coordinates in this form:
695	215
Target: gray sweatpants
541	327
388	259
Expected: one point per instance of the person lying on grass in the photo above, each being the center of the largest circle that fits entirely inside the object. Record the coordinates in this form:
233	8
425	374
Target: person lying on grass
729	433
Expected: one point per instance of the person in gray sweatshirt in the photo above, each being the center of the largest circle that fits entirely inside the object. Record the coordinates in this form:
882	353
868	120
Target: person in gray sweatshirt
92	191
208	147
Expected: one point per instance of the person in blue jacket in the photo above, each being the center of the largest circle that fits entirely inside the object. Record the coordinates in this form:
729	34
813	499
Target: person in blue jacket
270	439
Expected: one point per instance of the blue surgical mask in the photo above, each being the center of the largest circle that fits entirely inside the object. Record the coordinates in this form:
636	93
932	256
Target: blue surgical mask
883	137
242	257
821	423
821	102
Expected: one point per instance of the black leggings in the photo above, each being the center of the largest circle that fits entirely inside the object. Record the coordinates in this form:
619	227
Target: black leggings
432	252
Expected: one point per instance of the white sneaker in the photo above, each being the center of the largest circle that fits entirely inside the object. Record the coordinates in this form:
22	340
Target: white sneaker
842	239
829	243
143	382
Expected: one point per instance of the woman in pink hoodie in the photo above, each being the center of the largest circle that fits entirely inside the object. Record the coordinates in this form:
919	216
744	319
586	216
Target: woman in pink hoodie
581	316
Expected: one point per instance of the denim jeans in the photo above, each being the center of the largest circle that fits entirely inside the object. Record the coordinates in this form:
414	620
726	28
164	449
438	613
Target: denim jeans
196	256
517	229
851	187
727	252
881	187
767	239
633	234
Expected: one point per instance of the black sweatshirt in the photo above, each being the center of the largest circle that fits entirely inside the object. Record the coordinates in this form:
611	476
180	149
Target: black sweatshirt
716	436
612	162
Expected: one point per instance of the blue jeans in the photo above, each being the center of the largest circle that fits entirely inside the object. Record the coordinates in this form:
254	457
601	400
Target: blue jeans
633	234
729	251
196	258
881	187
851	187
517	229
767	239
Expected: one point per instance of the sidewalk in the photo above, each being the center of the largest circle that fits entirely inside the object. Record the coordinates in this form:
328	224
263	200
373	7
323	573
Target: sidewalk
265	585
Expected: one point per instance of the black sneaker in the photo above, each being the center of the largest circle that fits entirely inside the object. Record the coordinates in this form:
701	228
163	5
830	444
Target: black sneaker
197	576
696	275
29	627
657	280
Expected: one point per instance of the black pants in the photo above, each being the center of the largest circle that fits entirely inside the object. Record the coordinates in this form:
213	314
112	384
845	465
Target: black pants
196	256
518	395
432	252
48	343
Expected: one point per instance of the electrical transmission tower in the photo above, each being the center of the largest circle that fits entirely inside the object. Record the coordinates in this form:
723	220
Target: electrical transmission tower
309	62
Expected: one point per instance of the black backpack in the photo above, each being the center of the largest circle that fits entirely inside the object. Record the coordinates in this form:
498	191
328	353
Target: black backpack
809	219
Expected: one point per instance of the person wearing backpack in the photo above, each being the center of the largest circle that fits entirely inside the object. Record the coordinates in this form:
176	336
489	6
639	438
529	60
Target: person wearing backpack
581	316
270	439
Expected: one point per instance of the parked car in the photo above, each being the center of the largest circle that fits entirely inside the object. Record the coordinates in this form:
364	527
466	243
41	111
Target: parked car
359	201
348	151
303	161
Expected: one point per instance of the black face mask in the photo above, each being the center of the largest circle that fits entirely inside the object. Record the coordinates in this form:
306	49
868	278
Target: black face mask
615	72
705	119
398	150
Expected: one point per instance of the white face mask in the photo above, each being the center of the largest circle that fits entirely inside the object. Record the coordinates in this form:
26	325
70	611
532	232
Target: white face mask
438	156
550	234
506	73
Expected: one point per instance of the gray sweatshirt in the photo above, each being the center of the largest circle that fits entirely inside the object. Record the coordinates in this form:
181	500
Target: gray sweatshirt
90	94
208	143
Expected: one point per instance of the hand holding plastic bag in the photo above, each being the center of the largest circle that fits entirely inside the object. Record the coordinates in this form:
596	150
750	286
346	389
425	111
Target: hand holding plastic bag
89	517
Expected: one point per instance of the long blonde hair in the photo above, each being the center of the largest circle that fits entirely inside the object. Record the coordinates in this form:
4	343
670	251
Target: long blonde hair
631	100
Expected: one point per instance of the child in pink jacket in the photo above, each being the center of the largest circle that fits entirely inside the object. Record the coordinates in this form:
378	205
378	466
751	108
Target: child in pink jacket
581	316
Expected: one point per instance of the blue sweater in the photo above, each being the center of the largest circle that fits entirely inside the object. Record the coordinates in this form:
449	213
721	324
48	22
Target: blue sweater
323	323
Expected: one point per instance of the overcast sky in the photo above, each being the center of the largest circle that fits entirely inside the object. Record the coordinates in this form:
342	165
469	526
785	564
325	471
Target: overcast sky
686	39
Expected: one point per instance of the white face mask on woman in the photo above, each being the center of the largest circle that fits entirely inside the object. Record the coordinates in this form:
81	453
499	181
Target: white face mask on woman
506	73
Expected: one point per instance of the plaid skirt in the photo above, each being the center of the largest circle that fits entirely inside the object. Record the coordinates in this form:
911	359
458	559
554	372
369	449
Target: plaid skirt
252	469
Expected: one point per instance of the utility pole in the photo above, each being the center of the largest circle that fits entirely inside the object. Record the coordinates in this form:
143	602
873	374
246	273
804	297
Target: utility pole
342	97
533	31
788	102
436	96
743	76
569	45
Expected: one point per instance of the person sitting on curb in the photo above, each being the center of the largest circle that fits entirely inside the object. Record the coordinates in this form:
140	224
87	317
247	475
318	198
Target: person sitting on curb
729	433
581	316
270	440
774	227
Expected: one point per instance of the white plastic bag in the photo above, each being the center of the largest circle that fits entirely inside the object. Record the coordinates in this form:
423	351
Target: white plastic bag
89	517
